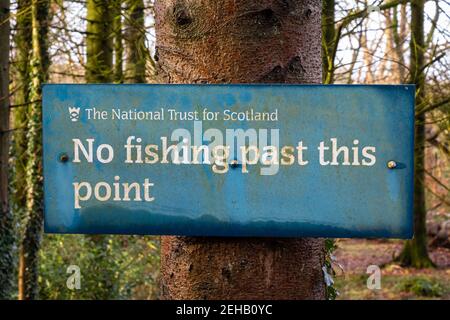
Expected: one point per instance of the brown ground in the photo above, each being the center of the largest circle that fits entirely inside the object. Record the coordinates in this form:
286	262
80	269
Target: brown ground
396	282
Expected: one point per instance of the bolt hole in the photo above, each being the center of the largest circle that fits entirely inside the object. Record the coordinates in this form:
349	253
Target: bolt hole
234	164
63	158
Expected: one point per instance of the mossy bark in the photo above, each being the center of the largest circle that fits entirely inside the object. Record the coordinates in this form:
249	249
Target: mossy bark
329	32
118	42
136	52
245	41
6	219
415	252
22	41
99	41
39	63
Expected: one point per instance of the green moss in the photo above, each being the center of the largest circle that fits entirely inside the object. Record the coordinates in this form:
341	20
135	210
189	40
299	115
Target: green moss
131	263
421	286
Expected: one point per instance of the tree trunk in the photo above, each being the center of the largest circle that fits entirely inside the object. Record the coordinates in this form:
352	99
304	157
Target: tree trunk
118	42
136	52
229	41
22	41
329	32
28	259
398	30
415	252
6	221
99	41
367	56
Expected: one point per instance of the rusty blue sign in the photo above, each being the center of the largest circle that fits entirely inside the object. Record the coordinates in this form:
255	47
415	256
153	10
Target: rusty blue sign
229	160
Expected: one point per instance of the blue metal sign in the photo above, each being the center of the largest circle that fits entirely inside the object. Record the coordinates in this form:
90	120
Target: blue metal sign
229	160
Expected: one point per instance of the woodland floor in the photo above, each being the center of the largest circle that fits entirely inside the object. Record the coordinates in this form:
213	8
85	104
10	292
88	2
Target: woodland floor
396	282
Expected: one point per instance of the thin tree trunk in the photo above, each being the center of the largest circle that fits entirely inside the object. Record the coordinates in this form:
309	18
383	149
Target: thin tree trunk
136	52
367	57
355	56
99	41
386	70
415	252
391	51
118	43
23	50
329	33
28	262
398	29
22	41
6	221
228	41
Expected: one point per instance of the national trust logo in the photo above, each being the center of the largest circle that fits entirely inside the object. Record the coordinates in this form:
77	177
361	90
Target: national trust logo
74	114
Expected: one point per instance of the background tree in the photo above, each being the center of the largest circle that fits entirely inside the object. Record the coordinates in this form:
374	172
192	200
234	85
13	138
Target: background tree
118	41
328	39
39	64
240	42
22	40
6	220
415	252
136	51
99	41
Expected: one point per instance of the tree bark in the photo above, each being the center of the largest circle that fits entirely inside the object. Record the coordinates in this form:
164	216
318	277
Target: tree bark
415	251
99	41
28	259
398	29
22	41
329	33
136	52
240	41
6	220
118	41
367	56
